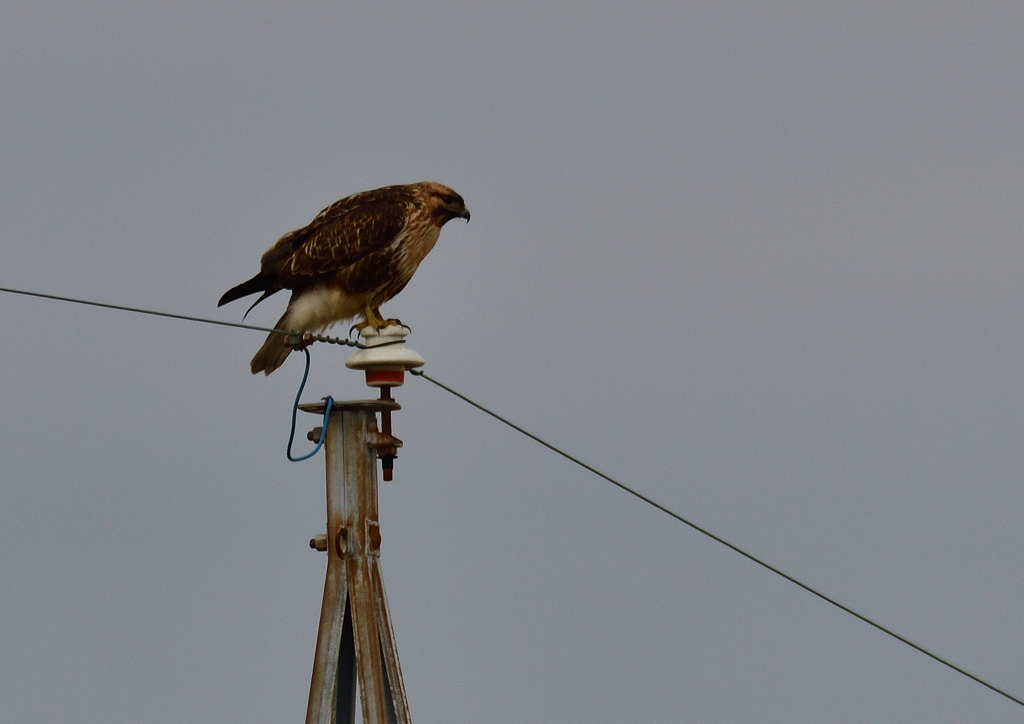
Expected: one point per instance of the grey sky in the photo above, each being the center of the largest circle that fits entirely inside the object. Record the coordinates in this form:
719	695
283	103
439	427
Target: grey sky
762	262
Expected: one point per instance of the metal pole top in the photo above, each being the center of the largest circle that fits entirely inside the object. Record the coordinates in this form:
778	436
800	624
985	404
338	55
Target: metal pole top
320	407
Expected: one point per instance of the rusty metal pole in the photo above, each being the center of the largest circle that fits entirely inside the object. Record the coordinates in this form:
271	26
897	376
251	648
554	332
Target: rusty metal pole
355	640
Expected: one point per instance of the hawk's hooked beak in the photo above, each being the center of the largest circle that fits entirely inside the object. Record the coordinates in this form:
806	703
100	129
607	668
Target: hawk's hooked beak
464	214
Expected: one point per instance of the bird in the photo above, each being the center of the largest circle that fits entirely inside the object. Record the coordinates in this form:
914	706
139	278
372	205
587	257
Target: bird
357	253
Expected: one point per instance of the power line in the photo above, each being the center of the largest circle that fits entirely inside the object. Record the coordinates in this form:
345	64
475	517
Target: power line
718	539
559	451
185	317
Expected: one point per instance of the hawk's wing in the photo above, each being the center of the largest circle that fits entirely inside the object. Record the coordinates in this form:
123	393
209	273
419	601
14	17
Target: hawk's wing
346	241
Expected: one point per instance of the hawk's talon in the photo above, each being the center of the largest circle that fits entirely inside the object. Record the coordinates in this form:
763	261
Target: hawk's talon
385	323
361	328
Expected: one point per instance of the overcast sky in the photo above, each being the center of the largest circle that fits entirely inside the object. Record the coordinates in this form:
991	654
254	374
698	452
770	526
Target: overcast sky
760	260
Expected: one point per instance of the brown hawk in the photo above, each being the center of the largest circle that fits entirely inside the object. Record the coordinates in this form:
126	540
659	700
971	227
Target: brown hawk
355	255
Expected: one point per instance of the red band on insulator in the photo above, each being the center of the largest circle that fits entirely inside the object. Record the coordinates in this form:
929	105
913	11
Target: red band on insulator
382	378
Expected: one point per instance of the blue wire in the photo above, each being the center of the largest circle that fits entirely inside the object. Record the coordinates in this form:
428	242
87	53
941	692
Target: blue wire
295	410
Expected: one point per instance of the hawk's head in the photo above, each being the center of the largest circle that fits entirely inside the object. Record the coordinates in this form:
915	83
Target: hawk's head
444	204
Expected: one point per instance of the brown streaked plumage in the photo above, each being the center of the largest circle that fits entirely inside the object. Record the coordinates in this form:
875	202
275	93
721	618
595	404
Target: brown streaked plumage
355	255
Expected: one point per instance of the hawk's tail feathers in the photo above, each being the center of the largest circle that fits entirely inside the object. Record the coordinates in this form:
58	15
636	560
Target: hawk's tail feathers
259	283
271	355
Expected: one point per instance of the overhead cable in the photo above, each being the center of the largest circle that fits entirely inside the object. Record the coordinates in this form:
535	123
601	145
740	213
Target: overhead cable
718	539
185	317
567	456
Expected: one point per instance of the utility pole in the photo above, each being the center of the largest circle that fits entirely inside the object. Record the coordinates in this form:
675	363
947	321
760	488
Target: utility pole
355	642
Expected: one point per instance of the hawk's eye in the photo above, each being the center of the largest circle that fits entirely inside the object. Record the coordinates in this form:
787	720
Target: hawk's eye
448	199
